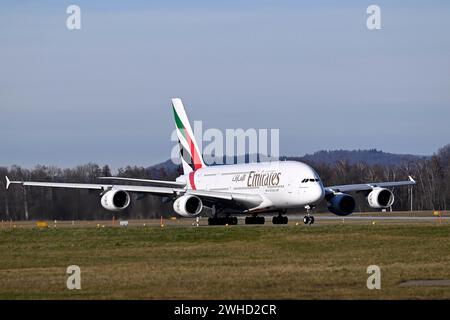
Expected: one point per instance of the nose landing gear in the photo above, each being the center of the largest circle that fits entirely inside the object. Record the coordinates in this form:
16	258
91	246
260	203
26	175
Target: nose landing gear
308	219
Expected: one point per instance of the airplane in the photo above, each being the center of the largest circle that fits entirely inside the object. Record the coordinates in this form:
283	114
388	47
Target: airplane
250	189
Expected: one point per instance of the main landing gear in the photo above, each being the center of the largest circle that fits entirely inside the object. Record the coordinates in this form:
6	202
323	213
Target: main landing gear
215	220
255	220
280	219
221	221
308	219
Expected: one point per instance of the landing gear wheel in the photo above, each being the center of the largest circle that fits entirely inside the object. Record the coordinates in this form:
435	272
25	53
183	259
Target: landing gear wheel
255	220
221	221
280	220
309	219
213	221
306	219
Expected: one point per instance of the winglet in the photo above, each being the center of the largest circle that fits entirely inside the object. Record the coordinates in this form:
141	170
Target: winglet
411	179
8	182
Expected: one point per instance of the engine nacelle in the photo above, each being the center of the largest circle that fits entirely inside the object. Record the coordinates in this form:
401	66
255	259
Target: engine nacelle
115	200
188	206
380	198
341	204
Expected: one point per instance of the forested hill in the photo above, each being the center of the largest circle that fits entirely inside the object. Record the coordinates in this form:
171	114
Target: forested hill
326	157
371	157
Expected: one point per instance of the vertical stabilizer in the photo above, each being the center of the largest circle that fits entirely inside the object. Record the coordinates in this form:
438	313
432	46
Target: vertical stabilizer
191	157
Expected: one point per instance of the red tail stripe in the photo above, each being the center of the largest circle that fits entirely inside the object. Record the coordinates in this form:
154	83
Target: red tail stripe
195	156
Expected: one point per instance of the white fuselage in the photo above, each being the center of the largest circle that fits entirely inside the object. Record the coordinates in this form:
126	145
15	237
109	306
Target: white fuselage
282	184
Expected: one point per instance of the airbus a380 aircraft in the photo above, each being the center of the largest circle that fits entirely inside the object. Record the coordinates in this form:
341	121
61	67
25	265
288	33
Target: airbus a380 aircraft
250	189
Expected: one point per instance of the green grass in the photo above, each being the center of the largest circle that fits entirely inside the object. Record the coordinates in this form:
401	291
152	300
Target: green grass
260	262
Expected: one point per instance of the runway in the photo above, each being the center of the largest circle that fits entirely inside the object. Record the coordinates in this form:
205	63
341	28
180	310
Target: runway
295	219
372	218
364	218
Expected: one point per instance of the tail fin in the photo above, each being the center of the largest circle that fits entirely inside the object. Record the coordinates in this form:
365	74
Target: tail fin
191	157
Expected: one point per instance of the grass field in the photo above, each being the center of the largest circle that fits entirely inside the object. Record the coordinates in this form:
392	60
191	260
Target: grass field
254	262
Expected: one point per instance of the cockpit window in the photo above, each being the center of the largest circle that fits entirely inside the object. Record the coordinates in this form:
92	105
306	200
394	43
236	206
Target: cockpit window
310	180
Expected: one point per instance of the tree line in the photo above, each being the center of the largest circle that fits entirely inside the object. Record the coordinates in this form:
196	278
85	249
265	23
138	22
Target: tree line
432	191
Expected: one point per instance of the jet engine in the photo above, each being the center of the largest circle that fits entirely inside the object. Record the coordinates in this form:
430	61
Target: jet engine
380	198
341	204
115	200
188	206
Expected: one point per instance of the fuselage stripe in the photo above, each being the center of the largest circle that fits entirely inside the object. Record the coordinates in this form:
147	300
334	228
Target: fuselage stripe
192	180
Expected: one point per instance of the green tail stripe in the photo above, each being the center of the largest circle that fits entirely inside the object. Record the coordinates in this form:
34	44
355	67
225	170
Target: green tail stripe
179	124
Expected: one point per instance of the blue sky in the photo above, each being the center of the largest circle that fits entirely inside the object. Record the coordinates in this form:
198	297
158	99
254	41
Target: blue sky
314	71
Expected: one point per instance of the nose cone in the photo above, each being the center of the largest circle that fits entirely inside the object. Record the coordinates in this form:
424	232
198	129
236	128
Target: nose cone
317	193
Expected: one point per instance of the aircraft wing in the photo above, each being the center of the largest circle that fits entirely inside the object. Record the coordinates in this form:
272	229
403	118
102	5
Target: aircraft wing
102	187
209	197
369	186
178	184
